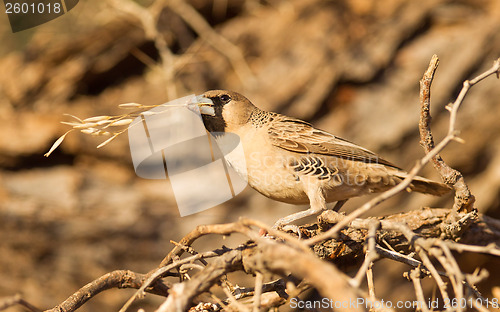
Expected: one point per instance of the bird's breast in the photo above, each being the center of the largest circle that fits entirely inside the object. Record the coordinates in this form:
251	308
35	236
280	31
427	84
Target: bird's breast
267	170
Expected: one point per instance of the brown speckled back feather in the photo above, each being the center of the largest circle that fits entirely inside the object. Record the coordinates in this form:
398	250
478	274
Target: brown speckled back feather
301	137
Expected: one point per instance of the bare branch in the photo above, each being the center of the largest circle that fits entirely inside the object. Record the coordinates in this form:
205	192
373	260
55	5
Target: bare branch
491	248
370	256
243	226
371	283
232	299
218	42
258	291
8	302
382	197
149	18
154	275
115	279
434	273
464	200
415	277
431	153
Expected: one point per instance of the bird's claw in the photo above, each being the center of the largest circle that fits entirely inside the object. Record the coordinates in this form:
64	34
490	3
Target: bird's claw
288	228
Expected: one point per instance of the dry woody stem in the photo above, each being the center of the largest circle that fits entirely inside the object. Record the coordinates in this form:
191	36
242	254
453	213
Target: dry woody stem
464	200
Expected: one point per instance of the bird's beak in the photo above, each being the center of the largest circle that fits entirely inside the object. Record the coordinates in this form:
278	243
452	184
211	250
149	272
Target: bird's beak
205	105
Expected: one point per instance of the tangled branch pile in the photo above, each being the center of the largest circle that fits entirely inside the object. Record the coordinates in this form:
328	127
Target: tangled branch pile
186	49
415	238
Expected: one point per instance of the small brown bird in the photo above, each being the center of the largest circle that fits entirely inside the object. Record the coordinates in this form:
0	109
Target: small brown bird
289	160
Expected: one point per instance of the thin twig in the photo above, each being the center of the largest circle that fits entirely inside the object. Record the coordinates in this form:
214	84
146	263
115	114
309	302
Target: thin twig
17	299
415	277
234	302
479	306
370	282
277	286
396	256
115	279
474	278
258	291
451	273
457	273
435	274
491	249
159	272
370	255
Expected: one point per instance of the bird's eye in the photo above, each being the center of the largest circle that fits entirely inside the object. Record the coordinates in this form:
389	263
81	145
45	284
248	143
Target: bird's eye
225	98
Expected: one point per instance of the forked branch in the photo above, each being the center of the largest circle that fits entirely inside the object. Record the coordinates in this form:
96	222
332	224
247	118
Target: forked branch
464	200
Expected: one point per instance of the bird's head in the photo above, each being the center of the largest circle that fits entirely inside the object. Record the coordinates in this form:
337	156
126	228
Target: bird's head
224	111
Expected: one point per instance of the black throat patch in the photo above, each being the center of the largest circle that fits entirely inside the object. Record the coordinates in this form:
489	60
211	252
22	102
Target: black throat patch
215	123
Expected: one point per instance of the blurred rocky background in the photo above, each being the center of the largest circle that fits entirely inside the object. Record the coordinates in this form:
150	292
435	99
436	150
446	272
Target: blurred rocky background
351	67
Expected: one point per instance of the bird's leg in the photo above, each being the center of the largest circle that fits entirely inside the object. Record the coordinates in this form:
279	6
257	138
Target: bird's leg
318	204
339	205
295	216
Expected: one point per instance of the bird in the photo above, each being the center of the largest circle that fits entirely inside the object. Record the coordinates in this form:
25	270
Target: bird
291	161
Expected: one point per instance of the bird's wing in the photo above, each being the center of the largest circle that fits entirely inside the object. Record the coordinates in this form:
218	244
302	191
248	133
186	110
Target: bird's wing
301	137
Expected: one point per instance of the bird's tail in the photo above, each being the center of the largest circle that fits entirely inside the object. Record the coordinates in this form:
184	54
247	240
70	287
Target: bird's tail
426	186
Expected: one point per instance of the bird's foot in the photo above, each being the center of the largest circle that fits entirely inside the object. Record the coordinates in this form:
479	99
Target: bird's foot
292	228
288	228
